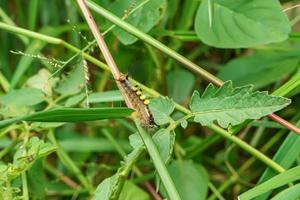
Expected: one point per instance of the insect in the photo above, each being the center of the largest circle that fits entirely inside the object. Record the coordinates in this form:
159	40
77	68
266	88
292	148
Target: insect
138	102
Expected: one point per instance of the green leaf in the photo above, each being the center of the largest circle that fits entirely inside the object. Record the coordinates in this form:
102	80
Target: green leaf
84	144
71	115
275	182
79	114
111	187
180	90
37	181
17	102
292	193
42	81
231	106
135	141
164	141
190	179
131	191
74	100
74	82
261	68
108	96
105	188
161	109
183	124
145	18
241	23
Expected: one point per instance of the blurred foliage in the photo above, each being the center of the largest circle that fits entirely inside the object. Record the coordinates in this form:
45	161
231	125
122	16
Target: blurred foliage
100	154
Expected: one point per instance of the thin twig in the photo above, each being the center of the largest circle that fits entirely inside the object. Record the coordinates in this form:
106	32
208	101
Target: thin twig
284	123
68	181
104	49
149	187
99	38
289	8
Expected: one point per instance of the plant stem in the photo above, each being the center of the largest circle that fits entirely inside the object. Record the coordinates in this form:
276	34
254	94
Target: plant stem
25	186
158	163
136	170
31	34
9	21
61	176
4	83
249	149
284	123
99	39
105	51
246	165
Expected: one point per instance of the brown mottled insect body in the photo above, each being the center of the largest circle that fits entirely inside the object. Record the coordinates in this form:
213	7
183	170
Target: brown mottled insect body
138	101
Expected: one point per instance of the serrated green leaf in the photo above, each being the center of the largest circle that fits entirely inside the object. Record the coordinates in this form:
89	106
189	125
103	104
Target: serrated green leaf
145	18
71	115
241	23
190	179
231	106
161	108
275	182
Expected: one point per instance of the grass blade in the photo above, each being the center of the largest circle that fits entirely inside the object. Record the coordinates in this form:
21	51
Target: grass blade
71	115
279	180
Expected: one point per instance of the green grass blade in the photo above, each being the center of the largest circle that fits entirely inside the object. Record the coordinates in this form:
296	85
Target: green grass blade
279	180
285	156
292	193
32	12
159	164
287	88
71	115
